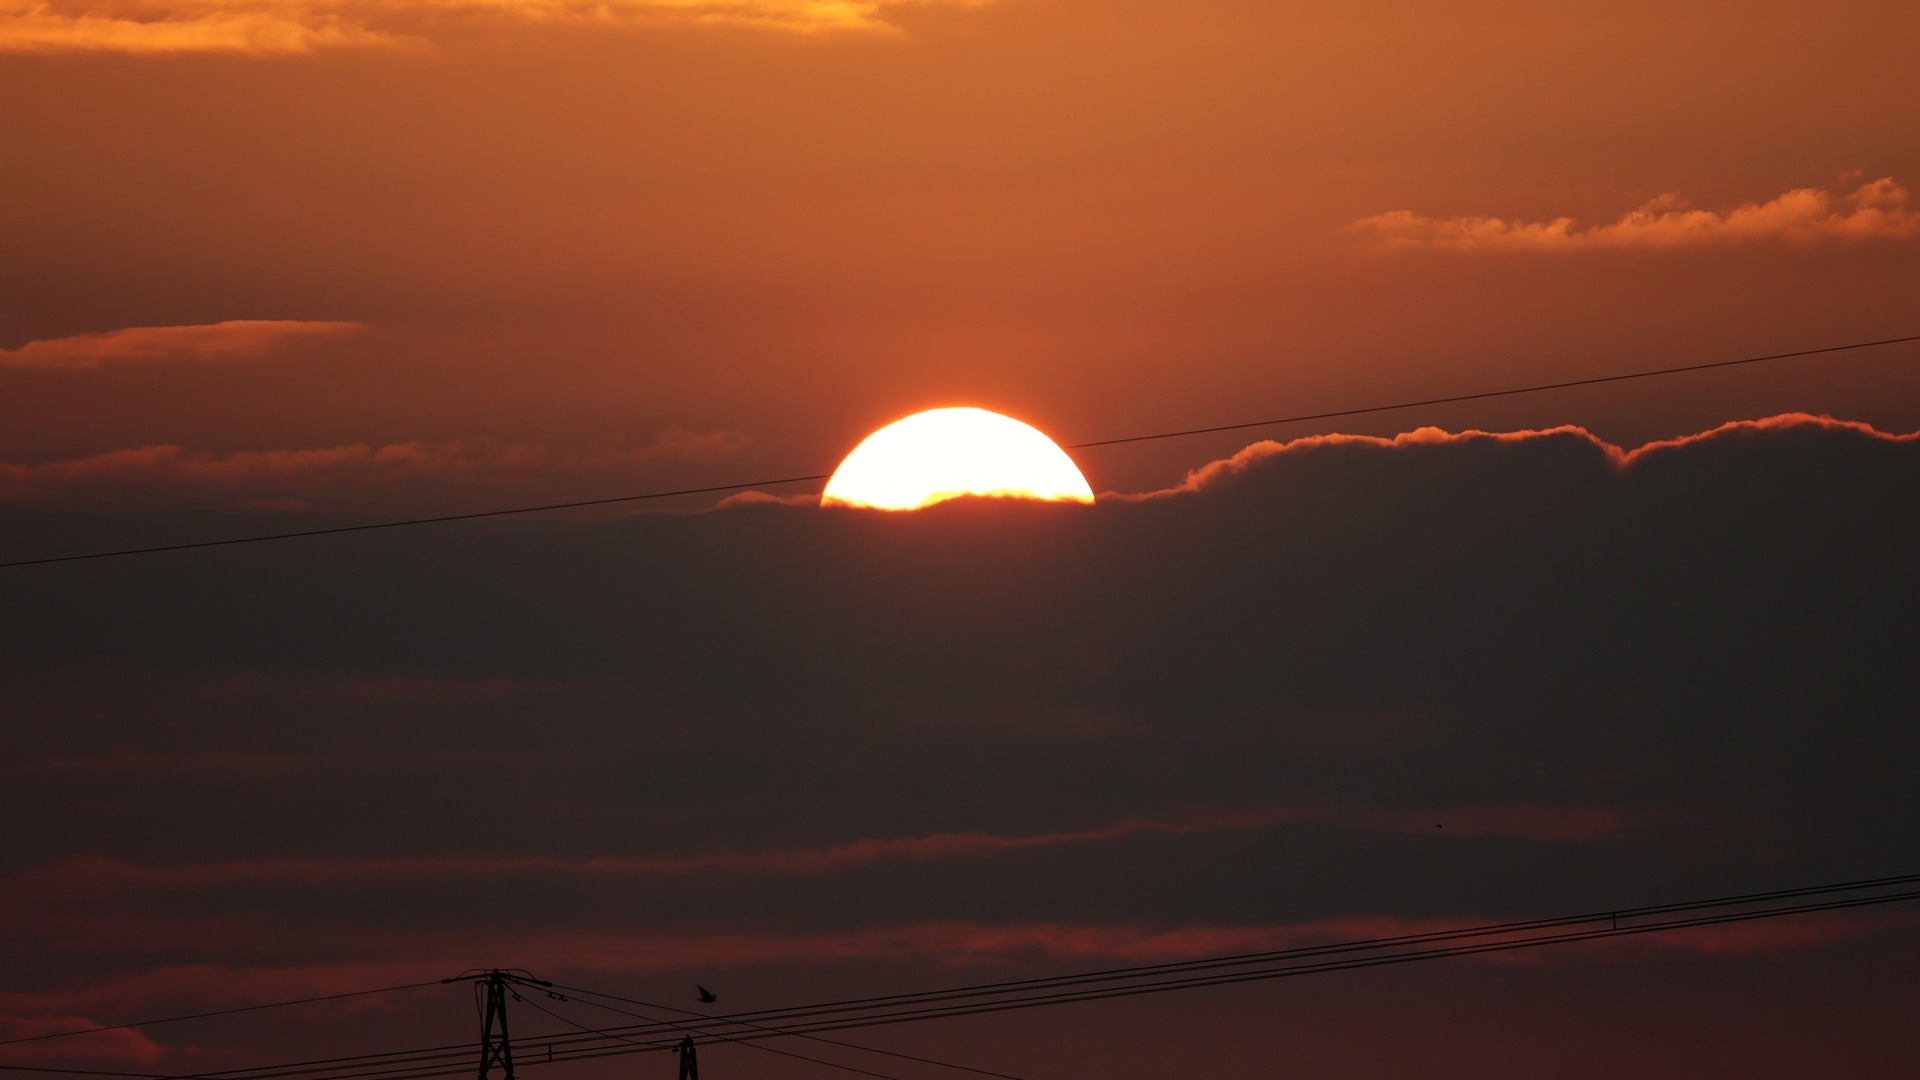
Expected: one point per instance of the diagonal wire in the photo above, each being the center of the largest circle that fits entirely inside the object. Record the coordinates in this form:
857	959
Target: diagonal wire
1483	395
476	515
724	1038
1121	974
584	995
910	1008
612	500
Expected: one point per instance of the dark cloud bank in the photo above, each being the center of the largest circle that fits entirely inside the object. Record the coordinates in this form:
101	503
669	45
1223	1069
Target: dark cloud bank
1228	711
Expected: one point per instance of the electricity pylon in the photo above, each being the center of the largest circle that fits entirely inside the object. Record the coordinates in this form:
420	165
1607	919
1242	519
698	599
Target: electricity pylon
496	1049
689	1065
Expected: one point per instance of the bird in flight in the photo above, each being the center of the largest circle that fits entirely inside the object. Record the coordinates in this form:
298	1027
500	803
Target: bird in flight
707	997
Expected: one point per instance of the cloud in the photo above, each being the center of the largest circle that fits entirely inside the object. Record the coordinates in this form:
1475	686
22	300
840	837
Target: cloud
809	745
1620	458
89	876
305	26
121	1046
1877	210
240	339
223	986
92	876
290	479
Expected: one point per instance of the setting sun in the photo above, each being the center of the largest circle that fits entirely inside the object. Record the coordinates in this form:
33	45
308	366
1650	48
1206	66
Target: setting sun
944	453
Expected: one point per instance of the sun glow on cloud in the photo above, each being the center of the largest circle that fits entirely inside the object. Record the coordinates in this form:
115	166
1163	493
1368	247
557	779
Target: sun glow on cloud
1619	457
1876	210
304	26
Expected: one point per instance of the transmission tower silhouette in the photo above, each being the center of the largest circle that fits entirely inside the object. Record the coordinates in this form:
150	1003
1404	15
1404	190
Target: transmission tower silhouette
496	1048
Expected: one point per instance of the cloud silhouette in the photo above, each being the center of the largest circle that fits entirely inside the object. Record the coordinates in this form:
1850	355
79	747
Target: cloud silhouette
1619	457
1879	210
766	736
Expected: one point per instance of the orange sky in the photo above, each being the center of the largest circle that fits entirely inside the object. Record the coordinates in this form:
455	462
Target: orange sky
781	224
273	265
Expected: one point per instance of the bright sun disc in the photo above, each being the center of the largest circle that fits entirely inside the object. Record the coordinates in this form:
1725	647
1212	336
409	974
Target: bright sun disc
944	453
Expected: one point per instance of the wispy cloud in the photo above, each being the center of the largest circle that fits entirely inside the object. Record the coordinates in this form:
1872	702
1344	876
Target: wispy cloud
92	876
304	26
291	479
239	339
122	1045
80	1005
1877	210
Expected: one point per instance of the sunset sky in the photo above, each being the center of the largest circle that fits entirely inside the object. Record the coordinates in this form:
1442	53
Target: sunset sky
278	265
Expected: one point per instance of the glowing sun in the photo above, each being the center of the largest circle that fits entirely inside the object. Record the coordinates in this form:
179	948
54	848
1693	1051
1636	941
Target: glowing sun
944	453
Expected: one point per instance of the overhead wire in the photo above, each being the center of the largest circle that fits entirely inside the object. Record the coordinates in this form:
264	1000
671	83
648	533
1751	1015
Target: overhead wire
1347	964
709	489
1436	949
777	1016
983	999
585	996
438	519
1484	395
722	1038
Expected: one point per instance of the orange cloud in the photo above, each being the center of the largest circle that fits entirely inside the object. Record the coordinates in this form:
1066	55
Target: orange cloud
305	26
239	339
1620	457
1878	210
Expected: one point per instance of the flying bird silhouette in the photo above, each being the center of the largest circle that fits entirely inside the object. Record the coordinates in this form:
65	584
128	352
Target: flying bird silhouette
707	997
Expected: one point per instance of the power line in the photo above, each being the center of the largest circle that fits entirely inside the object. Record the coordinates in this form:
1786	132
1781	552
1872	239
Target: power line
987	998
742	485
1483	395
585	996
1269	956
722	1038
336	530
1074	995
1310	960
1350	964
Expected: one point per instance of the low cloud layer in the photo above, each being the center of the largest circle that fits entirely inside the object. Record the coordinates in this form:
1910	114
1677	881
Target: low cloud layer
275	26
239	339
1327	688
1880	210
